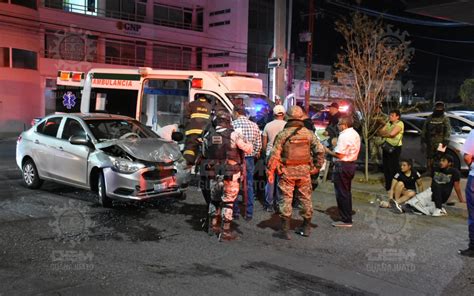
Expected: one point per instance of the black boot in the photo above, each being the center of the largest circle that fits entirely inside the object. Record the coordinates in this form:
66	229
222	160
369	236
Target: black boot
227	234
305	228
285	227
469	252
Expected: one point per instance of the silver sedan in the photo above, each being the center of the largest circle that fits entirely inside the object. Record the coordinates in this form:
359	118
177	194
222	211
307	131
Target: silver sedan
116	156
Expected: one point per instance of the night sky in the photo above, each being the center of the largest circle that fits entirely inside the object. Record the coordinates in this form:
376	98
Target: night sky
422	67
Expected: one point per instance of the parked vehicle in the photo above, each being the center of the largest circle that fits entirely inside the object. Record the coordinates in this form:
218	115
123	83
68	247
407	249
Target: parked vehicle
116	156
414	149
461	121
159	97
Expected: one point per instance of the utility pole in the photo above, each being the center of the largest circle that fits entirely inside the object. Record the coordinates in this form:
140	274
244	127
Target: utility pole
279	49
309	55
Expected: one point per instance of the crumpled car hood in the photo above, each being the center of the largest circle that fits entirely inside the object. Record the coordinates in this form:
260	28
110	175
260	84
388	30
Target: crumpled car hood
147	149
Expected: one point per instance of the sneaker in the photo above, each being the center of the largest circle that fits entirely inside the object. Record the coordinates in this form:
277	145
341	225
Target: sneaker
395	206
384	204
438	213
467	252
443	210
268	209
341	224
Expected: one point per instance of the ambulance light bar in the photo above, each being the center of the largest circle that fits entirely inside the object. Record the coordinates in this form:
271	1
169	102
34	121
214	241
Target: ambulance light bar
243	74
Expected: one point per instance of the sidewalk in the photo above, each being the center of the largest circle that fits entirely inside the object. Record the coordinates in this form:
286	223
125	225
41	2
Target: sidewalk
373	189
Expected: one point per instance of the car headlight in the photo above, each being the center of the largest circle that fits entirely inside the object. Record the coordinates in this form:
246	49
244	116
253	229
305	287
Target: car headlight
125	166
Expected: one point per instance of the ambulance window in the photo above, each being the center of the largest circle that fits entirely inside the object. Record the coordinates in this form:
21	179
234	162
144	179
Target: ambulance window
214	101
258	107
163	102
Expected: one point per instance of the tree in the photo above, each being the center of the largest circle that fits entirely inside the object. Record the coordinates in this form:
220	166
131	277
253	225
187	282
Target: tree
372	57
466	92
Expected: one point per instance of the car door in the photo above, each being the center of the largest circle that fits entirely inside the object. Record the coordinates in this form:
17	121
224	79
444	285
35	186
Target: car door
73	159
43	147
412	147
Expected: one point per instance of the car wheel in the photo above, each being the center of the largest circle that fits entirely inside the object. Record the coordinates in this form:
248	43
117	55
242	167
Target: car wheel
456	160
30	175
104	200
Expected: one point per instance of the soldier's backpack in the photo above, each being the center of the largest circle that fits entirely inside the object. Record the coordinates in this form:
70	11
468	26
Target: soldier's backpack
296	149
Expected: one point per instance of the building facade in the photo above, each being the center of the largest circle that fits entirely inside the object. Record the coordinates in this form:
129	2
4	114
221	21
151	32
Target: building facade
41	37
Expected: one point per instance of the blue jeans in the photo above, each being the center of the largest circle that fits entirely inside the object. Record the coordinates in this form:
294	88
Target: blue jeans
249	162
470	209
272	193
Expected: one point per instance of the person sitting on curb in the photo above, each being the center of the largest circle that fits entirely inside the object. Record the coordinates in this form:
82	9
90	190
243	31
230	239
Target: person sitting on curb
444	179
404	185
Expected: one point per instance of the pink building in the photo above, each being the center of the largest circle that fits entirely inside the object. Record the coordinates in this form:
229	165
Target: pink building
40	37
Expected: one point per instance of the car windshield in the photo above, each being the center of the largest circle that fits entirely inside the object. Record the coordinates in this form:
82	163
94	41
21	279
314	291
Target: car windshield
469	117
113	129
259	108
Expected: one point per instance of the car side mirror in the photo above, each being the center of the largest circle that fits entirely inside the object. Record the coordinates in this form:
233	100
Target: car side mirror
80	140
466	129
177	136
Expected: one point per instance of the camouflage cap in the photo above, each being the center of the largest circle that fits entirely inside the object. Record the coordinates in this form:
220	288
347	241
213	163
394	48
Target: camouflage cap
295	112
439	105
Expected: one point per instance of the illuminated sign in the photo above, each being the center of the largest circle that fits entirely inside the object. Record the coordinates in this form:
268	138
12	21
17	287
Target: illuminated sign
115	83
129	28
69	100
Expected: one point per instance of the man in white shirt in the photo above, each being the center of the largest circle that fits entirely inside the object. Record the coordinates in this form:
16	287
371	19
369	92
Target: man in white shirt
344	156
269	133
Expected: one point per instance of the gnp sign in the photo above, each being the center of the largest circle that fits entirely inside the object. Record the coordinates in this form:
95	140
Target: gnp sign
129	28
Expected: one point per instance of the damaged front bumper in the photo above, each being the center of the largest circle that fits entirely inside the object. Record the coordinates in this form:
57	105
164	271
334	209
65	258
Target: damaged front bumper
146	184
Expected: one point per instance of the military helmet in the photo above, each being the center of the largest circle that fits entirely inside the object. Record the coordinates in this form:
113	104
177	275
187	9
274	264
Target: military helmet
295	112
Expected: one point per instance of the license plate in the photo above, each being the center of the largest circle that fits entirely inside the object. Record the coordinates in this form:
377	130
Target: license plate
158	187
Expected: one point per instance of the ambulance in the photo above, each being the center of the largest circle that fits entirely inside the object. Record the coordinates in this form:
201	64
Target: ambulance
159	97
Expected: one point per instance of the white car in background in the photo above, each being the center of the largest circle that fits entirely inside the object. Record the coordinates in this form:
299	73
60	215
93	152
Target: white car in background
461	121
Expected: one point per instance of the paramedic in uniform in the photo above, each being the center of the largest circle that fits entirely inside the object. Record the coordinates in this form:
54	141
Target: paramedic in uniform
222	166
197	118
296	155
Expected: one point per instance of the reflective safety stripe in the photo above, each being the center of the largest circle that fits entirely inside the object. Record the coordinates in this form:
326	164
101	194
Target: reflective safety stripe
200	115
190	152
193	131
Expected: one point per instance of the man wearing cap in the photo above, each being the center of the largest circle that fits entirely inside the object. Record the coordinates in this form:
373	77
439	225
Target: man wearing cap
334	115
295	156
269	133
252	135
435	134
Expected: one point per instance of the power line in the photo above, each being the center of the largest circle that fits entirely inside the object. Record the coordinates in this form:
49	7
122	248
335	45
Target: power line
400	18
445	56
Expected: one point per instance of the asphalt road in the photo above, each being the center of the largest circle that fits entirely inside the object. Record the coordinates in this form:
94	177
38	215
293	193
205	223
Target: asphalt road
58	241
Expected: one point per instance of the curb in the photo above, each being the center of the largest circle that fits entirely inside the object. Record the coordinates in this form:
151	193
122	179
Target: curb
371	196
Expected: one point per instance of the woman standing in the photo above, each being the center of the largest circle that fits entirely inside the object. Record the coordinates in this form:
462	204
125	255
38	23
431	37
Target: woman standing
392	133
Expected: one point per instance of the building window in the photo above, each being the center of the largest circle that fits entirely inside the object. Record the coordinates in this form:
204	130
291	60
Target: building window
219	23
70	46
88	7
172	57
24	59
213	66
218	54
317	75
224	11
126	9
128	53
176	17
26	3
4	57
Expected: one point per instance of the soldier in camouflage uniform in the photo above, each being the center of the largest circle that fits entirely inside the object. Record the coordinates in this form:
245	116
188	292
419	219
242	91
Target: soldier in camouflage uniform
379	120
436	131
221	167
296	155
